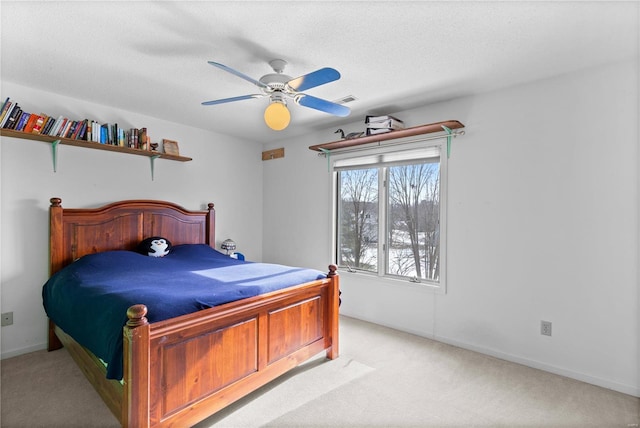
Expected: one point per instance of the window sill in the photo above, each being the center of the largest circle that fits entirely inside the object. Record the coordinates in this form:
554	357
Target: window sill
391	281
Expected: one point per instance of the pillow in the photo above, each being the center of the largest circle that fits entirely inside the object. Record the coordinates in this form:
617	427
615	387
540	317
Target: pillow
156	246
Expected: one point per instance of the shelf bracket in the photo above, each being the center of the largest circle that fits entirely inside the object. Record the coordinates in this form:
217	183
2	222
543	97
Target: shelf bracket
152	159
448	131
54	154
327	153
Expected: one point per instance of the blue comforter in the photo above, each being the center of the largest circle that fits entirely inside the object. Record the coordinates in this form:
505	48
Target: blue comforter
89	298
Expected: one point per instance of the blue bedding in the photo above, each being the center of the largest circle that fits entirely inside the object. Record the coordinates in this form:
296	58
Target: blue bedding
89	298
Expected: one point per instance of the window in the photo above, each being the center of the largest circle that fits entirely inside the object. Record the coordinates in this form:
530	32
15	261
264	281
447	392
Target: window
390	211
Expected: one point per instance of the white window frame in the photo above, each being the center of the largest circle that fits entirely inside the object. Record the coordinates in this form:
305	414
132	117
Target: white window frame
417	150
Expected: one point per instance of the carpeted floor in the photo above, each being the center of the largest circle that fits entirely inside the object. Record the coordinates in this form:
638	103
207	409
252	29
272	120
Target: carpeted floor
383	378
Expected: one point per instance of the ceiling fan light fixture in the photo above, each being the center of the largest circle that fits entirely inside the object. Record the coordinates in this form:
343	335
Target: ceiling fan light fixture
277	115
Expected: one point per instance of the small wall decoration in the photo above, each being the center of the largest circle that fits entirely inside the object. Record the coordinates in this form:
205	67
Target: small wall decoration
170	147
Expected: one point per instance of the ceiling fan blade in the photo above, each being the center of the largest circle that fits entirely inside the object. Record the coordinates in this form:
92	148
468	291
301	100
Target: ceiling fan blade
239	74
313	79
322	105
232	99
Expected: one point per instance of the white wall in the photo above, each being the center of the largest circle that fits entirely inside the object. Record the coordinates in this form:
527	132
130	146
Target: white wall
543	225
224	171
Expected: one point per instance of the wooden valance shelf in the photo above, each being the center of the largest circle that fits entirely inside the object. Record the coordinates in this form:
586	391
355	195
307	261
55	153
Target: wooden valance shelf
91	145
392	135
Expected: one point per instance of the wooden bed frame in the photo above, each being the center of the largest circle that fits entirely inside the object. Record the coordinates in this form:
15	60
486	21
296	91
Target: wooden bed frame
179	371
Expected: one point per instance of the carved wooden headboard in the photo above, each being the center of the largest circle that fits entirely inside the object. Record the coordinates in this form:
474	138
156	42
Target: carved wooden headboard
75	232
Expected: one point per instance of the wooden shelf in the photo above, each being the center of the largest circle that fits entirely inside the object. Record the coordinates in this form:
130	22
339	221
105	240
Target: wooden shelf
91	145
392	135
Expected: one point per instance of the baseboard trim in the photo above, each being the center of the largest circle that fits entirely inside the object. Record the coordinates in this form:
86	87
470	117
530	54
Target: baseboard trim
582	377
16	352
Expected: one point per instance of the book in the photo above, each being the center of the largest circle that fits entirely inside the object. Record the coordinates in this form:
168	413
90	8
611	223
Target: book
30	123
76	131
10	109
378	122
96	131
52	128
113	134
85	131
82	129
72	129
374	131
22	121
92	132
133	138
40	120
19	121
104	134
122	139
56	129
47	126
386	124
5	107
50	124
4	104
11	119
65	128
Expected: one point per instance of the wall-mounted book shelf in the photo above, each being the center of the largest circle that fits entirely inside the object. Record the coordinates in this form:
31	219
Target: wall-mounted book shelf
54	141
91	145
391	135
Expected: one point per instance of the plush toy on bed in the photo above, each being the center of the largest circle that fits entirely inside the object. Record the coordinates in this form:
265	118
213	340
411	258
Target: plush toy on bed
155	246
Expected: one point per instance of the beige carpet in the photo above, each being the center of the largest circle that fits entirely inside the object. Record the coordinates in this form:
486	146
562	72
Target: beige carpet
47	389
383	378
295	389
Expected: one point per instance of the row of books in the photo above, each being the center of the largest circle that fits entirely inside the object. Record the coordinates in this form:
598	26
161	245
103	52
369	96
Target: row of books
382	124
13	117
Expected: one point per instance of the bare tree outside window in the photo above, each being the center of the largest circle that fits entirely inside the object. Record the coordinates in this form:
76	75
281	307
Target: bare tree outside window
413	214
358	219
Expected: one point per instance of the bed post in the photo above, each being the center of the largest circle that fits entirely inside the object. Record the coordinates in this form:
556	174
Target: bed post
56	236
55	258
136	382
334	304
211	226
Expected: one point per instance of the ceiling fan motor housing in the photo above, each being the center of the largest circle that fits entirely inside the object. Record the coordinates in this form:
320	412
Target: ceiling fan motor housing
275	81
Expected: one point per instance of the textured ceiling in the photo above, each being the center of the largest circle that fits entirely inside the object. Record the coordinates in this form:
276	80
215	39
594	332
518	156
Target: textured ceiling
151	57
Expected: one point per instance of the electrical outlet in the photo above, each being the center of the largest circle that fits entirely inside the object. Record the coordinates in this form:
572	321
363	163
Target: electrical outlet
7	318
545	328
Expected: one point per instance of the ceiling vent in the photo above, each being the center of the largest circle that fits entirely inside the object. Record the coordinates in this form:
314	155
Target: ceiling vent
344	100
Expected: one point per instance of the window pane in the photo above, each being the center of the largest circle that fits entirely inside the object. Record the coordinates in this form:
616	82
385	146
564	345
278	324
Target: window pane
413	213
358	219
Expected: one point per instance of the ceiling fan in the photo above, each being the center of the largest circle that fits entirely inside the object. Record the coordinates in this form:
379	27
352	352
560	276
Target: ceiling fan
279	87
